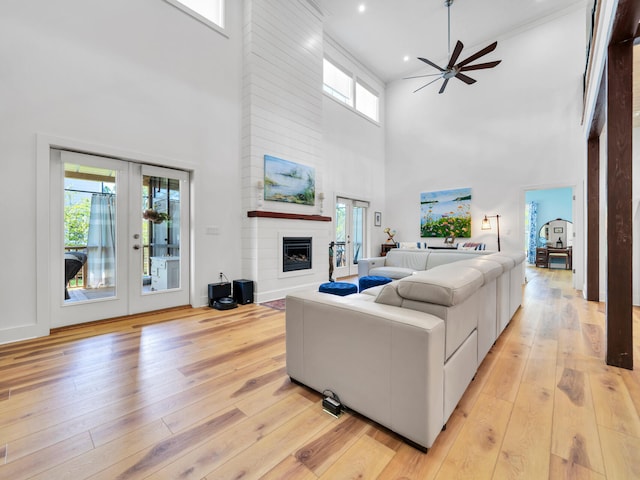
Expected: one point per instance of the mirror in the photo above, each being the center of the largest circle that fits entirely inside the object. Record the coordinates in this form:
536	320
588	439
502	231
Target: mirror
556	233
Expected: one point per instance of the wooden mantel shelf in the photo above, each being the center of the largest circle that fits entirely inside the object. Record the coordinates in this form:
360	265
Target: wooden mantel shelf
289	216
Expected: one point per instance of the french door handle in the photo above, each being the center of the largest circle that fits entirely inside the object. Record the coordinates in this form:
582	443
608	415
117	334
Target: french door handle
136	247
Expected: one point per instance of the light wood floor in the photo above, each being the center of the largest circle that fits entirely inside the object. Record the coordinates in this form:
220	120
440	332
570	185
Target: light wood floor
203	394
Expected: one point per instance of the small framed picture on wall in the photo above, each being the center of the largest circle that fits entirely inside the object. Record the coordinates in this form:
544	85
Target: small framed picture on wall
377	219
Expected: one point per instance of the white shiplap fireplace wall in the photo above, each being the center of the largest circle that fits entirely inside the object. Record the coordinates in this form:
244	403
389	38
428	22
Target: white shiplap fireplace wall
282	117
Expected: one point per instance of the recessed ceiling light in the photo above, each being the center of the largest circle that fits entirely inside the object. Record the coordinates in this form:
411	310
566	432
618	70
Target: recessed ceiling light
362	7
405	58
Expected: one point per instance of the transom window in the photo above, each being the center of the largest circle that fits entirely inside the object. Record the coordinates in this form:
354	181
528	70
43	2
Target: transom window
207	11
366	101
348	89
338	83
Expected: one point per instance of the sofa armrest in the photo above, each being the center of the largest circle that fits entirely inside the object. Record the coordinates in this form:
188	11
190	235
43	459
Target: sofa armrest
366	264
384	362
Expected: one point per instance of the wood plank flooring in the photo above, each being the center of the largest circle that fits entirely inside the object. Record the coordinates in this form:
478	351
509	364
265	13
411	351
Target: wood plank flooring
203	394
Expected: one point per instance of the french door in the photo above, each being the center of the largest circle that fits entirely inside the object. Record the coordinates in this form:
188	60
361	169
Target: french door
350	234
119	238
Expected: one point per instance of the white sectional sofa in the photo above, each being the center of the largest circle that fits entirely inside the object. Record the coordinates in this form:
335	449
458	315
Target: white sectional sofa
403	354
399	262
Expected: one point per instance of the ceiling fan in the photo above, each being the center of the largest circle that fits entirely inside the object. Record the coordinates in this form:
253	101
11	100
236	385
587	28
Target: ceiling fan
454	69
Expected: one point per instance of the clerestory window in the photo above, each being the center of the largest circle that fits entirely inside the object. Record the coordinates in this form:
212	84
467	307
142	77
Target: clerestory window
210	12
366	101
338	83
347	88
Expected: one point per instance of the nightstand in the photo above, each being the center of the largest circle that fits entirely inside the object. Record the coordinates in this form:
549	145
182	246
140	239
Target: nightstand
542	257
385	247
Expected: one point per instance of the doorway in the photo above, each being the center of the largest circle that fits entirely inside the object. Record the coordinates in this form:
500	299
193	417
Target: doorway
349	236
123	228
549	229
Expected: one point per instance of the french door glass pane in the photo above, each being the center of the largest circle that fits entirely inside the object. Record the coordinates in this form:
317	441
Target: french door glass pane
89	232
358	232
341	235
160	233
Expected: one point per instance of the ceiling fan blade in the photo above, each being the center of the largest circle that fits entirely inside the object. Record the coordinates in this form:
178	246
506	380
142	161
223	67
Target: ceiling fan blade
429	62
479	54
480	66
444	85
465	79
426	85
456	53
421	76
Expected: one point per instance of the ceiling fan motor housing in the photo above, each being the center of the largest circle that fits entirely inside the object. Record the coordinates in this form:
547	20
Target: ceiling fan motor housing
450	73
454	69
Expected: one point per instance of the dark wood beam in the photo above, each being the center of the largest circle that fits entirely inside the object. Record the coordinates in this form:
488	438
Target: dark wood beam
619	193
289	216
593	219
625	23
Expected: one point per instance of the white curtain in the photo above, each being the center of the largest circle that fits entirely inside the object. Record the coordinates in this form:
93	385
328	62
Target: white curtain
101	243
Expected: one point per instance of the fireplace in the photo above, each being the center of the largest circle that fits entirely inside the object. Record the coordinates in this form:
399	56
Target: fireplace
296	253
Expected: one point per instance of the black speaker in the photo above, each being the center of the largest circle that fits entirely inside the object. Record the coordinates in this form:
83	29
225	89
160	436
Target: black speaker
218	290
243	291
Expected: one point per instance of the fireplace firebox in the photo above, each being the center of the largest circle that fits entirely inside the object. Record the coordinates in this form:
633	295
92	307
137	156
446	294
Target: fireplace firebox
296	253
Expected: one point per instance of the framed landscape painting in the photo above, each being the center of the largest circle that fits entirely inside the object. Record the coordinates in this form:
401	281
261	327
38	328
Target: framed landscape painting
286	181
446	213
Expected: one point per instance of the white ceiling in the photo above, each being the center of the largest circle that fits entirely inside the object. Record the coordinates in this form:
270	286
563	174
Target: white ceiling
390	29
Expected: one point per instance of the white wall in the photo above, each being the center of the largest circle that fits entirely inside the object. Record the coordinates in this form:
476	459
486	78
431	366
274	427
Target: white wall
146	82
282	117
286	115
132	76
354	149
602	265
517	128
598	72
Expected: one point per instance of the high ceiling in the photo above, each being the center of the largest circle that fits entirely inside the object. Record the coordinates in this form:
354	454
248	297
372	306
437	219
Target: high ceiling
389	30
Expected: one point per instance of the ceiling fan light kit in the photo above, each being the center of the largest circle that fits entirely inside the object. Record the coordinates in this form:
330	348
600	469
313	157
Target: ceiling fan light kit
454	69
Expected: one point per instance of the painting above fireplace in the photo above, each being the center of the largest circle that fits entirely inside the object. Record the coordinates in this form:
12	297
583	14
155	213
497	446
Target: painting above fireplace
286	181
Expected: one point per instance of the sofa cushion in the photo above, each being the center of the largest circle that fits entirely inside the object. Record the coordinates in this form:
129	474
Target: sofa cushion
460	320
391	272
443	257
507	262
517	257
446	285
362	297
458	373
388	294
414	260
490	269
